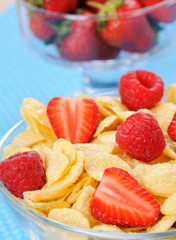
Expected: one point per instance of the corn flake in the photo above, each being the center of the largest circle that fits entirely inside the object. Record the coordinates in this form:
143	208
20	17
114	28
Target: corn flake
107	228
169	206
34	113
27	138
164	224
95	165
93	148
83	202
10	150
109	123
171	94
46	207
66	148
159	179
70	217
56	164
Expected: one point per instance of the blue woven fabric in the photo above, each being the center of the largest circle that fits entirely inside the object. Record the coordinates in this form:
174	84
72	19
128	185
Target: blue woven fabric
24	75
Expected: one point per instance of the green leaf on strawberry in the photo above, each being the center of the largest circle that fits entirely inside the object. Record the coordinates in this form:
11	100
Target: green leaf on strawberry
108	7
62	29
37	3
50	40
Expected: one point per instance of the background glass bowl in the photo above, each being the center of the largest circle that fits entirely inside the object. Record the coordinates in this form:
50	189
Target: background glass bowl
104	66
41	228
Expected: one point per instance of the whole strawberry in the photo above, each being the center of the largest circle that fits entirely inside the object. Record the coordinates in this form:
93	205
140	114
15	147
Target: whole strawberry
22	172
40	26
61	6
82	42
164	14
131	33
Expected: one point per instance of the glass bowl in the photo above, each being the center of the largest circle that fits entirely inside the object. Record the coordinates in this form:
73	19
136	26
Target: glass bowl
41	228
146	34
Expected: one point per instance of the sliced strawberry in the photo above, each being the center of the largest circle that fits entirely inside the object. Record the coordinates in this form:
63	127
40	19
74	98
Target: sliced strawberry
120	200
172	129
73	119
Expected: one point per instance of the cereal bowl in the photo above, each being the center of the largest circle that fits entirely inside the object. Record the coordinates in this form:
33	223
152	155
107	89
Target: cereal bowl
149	37
39	227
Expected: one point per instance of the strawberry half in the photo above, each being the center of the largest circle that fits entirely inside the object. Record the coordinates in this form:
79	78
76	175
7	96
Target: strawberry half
73	119
121	200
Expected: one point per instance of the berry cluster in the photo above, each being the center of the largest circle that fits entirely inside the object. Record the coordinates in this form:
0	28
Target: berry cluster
98	39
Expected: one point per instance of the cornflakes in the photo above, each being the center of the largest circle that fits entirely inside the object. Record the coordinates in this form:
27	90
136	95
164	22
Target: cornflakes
73	171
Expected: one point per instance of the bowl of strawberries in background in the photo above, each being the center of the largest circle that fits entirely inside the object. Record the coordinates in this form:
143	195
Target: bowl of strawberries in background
101	38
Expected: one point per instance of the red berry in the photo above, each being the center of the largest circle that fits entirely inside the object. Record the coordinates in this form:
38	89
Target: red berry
60	6
166	13
73	119
40	26
140	89
172	129
120	200
124	31
22	172
141	137
90	47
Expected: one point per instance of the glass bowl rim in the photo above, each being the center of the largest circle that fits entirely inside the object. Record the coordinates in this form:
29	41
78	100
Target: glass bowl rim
78	17
23	210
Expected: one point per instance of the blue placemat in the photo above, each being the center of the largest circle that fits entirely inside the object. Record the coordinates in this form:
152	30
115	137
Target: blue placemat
24	75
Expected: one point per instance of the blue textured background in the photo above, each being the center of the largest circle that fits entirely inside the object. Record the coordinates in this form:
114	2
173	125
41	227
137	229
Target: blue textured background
24	75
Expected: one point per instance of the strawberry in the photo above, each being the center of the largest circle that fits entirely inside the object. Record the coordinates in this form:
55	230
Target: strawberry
90	47
73	119
60	6
39	25
132	34
121	200
164	14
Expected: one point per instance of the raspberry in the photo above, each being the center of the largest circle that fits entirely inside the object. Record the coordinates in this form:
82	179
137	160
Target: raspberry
22	172
140	89
172	129
141	137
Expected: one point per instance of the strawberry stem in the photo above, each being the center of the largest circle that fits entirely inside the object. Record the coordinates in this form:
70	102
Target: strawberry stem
62	29
108	7
37	3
